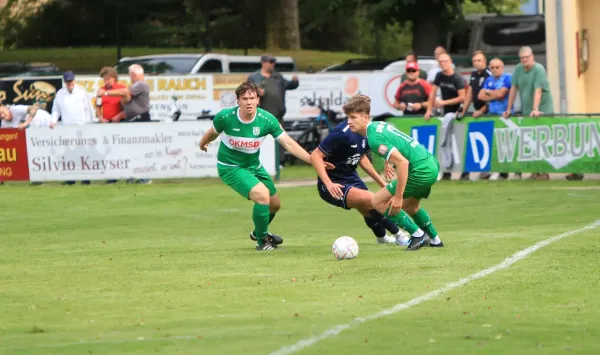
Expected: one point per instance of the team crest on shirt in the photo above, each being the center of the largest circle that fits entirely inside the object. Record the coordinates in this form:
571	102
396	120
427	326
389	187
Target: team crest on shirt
256	130
382	149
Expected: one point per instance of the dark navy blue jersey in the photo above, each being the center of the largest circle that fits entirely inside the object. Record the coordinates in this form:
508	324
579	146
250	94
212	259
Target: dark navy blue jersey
344	148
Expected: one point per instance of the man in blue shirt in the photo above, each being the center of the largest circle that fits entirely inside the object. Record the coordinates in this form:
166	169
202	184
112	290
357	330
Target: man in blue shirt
495	88
343	187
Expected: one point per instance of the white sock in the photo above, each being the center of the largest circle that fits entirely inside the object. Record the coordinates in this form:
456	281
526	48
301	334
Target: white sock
418	234
435	241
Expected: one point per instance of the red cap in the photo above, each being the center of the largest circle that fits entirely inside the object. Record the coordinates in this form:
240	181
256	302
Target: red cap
412	65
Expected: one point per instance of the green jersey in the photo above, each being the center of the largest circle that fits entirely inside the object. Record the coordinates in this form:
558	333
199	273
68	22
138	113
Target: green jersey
241	141
383	138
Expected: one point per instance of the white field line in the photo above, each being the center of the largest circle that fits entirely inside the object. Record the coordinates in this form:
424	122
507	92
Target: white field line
518	256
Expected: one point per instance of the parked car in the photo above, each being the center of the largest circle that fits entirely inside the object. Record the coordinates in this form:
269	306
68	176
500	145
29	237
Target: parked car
17	69
209	63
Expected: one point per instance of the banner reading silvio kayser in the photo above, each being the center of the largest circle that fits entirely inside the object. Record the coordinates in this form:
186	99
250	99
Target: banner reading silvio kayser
545	144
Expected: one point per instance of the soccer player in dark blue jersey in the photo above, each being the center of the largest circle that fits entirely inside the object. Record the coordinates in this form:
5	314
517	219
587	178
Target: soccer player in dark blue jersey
343	187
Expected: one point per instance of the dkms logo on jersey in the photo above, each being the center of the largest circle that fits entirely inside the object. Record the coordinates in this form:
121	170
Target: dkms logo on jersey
480	136
426	136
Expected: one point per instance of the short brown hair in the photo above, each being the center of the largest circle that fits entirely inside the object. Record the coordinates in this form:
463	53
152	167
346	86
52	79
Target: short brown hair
478	52
357	104
245	87
110	71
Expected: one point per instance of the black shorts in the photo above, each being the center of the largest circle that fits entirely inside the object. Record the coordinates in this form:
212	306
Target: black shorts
326	196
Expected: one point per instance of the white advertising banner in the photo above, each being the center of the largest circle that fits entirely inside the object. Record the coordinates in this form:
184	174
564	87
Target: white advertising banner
191	94
201	95
122	151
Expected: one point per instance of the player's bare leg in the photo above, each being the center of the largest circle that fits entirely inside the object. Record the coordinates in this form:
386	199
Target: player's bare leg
412	206
260	216
361	201
380	200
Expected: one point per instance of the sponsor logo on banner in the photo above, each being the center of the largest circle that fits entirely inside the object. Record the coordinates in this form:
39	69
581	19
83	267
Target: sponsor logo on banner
191	95
328	90
40	91
426	136
480	136
143	150
13	155
390	88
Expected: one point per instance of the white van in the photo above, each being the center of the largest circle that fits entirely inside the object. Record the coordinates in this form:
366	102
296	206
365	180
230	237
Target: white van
209	63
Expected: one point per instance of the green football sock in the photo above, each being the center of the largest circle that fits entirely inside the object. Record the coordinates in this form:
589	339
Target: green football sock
424	222
403	221
260	217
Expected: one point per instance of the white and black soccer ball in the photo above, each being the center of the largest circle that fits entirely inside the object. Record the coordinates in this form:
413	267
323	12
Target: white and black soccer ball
345	248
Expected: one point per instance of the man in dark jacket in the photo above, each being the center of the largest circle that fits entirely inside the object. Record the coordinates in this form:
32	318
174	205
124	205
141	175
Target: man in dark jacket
272	87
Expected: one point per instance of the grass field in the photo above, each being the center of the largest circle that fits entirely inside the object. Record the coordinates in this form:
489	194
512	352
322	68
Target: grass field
168	268
89	60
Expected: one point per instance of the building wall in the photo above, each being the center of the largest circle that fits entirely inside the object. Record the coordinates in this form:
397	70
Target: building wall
577	15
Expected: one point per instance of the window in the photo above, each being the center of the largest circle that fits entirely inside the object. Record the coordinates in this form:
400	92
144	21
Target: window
243	67
160	65
285	67
514	34
211	66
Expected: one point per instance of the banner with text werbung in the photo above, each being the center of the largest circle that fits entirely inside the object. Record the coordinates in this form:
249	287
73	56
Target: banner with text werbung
141	150
544	144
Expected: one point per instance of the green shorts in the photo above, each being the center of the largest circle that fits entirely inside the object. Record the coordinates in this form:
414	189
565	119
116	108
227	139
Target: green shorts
421	177
242	180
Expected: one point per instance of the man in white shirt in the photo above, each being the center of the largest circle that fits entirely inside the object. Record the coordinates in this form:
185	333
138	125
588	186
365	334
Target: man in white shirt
71	103
73	107
14	116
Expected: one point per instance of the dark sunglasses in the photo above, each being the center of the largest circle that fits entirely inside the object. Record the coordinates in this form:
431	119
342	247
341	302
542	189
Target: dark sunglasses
411	71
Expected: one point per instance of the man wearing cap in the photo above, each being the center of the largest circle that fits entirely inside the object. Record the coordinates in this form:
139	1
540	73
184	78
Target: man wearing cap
272	87
73	107
71	103
413	93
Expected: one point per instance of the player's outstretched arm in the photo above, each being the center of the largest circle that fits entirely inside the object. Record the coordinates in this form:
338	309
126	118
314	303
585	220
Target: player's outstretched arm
207	138
294	148
401	164
317	158
368	168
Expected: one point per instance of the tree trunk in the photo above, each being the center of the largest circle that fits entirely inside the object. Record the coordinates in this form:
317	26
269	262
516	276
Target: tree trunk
290	38
273	24
426	35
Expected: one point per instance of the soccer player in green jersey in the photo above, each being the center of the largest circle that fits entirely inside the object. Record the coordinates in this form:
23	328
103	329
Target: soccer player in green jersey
416	172
242	130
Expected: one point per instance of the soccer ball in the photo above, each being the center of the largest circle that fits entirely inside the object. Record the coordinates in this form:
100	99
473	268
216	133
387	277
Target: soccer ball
345	248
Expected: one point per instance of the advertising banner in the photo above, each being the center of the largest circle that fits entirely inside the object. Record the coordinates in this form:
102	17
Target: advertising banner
192	95
545	144
13	155
141	150
29	91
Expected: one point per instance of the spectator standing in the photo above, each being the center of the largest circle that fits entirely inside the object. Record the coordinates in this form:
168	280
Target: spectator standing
73	107
413	93
137	101
476	81
411	57
110	108
495	93
452	86
529	79
495	88
432	73
272	87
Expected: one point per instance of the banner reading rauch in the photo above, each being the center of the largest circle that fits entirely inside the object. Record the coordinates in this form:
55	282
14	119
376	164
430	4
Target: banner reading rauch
13	155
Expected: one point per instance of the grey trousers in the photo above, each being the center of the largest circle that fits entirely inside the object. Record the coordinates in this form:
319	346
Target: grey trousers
446	140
